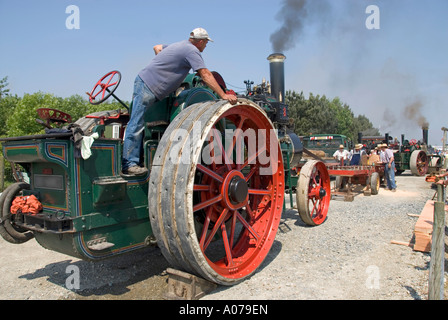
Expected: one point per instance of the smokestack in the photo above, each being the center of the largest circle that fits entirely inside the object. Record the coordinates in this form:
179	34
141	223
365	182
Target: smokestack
277	70
425	135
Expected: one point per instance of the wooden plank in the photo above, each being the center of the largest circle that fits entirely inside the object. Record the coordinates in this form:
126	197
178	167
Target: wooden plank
185	286
425	221
423	228
402	243
422	242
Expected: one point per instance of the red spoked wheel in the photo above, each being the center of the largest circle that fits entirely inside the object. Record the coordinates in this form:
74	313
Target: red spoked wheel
105	87
313	193
216	190
419	163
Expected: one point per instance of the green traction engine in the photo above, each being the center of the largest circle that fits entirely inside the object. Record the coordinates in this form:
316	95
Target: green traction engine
214	195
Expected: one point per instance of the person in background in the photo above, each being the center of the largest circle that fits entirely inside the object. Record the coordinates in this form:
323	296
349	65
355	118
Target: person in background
374	157
342	155
389	167
356	155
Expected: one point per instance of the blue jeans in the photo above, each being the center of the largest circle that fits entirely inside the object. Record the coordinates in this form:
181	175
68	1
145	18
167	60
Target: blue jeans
142	100
389	173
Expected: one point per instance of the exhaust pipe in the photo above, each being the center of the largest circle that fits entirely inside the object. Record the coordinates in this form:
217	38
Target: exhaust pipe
425	135
277	72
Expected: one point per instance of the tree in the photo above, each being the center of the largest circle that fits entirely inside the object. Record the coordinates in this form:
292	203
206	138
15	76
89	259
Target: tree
344	118
3	84
22	118
22	121
7	106
317	115
363	125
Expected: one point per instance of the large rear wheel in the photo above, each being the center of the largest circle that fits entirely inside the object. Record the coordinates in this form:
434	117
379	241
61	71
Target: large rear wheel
216	190
419	162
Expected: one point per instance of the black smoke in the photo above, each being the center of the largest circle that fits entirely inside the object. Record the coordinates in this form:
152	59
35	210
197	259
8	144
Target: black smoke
294	16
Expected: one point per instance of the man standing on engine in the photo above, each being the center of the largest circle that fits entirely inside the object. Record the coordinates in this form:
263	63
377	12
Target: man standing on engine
161	77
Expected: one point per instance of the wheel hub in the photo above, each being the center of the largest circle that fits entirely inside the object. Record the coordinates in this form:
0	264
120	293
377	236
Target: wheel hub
238	190
322	193
235	190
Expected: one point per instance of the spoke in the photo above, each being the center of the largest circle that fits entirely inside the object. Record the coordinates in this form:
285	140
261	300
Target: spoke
94	95
207	203
247	226
201	187
215	228
104	92
316	183
232	230
315	202
249	210
260	192
111	77
238	131
253	157
209	172
227	246
251	173
112	84
218	140
205	228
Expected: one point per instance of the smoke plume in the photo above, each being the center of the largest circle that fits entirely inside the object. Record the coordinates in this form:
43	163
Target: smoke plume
292	15
413	112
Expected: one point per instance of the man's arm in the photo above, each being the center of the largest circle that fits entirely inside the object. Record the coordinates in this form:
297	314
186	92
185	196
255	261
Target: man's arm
209	79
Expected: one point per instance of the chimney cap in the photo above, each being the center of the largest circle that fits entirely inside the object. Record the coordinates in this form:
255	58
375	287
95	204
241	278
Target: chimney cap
276	57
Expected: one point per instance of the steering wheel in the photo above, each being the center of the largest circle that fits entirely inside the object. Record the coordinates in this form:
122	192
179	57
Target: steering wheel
413	142
105	87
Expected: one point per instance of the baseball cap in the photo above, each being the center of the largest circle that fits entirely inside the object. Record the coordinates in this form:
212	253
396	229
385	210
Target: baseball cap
200	33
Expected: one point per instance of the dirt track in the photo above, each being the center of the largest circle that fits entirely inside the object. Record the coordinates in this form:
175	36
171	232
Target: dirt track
347	257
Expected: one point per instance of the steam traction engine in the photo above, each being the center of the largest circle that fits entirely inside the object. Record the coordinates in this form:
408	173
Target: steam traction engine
412	155
213	198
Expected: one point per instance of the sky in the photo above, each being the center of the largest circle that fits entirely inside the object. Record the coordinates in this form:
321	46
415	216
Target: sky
388	64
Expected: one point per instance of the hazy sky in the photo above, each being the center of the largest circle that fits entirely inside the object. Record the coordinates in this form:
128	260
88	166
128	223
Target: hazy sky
395	75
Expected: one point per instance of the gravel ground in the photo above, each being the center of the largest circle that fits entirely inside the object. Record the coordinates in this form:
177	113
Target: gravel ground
348	257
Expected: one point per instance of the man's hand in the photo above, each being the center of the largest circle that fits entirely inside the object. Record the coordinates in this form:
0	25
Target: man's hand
230	97
157	48
209	79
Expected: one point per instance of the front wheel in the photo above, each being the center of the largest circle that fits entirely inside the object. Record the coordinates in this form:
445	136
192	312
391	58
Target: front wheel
313	193
374	183
216	190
